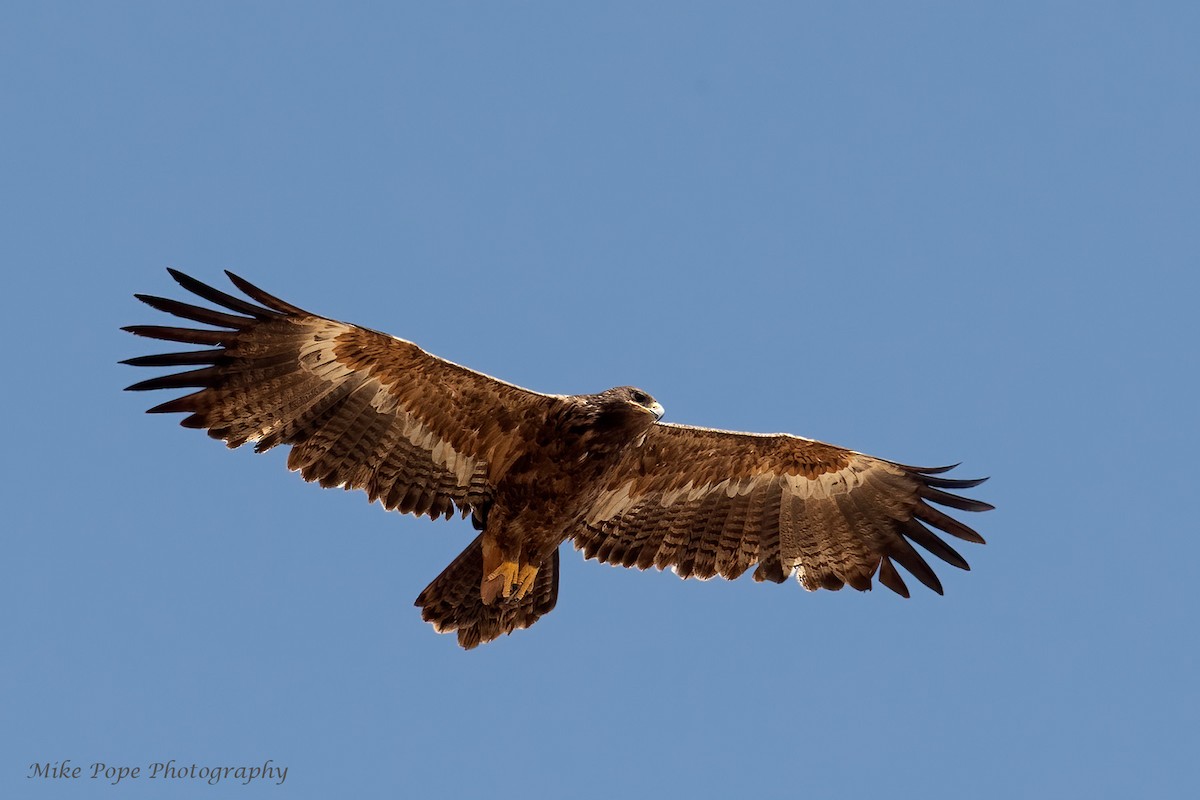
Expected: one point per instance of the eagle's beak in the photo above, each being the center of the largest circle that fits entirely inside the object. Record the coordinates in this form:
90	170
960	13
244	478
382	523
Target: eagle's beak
657	409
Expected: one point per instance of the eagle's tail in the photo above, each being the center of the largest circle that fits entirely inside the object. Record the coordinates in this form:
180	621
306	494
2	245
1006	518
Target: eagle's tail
453	601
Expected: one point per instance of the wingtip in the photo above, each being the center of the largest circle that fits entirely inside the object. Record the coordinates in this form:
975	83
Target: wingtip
183	279
267	299
238	280
932	470
950	483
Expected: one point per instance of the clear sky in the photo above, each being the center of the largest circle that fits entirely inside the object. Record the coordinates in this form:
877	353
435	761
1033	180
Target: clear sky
934	232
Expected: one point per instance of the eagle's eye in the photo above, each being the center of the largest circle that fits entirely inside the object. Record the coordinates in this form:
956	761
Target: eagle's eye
641	398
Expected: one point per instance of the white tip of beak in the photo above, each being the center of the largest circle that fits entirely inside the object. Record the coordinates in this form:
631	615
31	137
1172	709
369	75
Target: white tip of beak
658	410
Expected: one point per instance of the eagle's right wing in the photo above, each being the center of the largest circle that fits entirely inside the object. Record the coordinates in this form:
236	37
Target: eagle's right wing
709	502
360	409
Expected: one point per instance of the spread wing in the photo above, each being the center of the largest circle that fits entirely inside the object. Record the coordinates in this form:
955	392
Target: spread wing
709	502
360	409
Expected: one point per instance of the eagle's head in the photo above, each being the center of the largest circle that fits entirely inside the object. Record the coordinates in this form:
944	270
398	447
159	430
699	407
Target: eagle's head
635	397
618	416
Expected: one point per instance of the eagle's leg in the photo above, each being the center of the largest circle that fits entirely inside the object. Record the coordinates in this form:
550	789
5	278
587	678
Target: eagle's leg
510	579
525	579
507	569
502	571
499	582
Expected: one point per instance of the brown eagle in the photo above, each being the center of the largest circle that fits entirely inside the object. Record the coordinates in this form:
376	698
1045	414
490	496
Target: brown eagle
424	436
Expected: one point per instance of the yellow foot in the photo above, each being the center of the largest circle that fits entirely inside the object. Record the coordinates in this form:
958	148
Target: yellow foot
499	582
507	580
525	579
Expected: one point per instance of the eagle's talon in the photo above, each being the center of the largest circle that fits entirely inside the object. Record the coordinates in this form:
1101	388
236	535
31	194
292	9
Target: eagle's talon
499	582
525	580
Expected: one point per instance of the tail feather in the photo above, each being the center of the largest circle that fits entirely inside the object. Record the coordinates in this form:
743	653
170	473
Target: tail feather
453	601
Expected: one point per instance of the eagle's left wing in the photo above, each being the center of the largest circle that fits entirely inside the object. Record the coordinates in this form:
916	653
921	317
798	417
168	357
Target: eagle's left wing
709	502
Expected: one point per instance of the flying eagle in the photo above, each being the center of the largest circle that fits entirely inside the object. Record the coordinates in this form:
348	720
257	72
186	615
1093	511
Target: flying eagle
424	436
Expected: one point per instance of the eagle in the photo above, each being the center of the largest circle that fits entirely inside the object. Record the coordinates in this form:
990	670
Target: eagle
422	435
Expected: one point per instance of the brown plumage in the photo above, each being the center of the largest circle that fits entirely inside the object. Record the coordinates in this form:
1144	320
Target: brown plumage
364	410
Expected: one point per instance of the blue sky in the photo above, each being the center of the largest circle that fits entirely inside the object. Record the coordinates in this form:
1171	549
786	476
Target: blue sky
934	232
